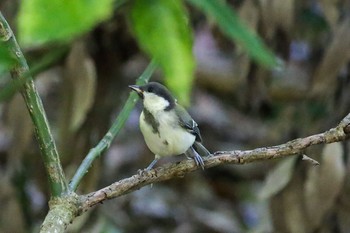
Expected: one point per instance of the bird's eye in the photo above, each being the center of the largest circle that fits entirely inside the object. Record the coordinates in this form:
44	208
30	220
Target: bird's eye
150	89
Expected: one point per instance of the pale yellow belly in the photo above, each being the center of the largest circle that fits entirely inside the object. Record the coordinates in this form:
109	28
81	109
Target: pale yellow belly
173	140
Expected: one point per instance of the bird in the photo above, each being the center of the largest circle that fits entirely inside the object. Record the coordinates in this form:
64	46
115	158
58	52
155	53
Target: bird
167	128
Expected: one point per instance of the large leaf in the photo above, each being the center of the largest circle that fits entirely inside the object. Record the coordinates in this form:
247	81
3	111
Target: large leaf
161	28
231	25
278	178
327	71
324	184
79	84
41	21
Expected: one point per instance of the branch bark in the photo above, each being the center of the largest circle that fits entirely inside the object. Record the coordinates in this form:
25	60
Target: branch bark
294	147
62	212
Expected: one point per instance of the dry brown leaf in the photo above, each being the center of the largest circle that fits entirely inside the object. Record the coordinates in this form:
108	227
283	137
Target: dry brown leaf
294	206
249	14
11	215
334	59
278	178
214	70
78	91
290	84
343	214
324	183
267	16
283	14
343	207
20	124
277	14
220	221
287	207
79	86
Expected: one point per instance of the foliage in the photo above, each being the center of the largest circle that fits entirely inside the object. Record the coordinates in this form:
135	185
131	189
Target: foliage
41	21
162	29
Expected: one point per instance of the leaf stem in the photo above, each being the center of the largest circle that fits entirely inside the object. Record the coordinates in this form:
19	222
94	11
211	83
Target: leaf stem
112	132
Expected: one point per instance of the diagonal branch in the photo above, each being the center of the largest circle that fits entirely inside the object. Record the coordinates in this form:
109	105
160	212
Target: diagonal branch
113	131
294	147
36	110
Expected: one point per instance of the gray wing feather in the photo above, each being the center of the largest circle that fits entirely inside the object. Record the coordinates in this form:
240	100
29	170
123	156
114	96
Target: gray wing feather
188	123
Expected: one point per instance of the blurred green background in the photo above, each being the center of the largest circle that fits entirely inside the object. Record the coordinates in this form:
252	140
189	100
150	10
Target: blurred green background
252	73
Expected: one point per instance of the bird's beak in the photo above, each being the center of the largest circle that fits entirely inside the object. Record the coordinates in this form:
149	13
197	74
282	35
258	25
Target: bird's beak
138	90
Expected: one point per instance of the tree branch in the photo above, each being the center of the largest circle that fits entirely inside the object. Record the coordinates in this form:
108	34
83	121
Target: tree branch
62	212
57	181
113	131
294	147
310	160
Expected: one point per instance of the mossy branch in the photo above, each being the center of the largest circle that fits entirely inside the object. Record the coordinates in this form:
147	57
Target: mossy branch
20	71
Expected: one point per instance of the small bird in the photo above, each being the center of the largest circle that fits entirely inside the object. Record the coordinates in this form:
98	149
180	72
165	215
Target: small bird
166	126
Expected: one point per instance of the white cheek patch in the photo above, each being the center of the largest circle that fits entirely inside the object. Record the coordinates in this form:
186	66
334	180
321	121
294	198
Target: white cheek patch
154	102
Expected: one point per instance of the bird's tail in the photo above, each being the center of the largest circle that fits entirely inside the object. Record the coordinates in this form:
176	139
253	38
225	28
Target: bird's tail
200	149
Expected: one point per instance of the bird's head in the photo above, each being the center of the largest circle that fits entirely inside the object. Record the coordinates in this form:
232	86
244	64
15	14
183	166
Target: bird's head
155	96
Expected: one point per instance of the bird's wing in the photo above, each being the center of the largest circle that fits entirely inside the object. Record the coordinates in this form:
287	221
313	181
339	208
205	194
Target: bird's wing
187	122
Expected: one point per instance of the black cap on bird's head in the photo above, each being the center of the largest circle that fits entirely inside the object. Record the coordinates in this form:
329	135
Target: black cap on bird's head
155	88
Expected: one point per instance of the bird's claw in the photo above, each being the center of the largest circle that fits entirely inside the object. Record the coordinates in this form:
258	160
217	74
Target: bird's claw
199	161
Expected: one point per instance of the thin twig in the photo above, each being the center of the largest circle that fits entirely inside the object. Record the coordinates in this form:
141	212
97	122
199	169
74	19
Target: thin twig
294	147
112	132
37	113
311	160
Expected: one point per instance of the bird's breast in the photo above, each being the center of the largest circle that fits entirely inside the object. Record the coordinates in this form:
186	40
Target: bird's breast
169	138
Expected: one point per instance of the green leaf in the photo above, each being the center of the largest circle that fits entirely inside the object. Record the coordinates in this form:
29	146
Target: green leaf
42	21
162	30
231	25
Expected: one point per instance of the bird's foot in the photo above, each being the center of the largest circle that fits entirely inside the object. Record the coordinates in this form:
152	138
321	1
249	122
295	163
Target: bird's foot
199	161
192	153
151	165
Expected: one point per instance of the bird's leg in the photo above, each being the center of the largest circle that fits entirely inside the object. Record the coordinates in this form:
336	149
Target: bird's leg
150	166
191	153
201	150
